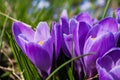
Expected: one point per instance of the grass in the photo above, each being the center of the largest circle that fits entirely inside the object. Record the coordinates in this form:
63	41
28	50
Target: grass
16	10
19	10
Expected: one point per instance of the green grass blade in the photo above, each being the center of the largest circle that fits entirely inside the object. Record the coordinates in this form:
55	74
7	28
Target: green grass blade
70	73
64	64
28	69
106	8
3	30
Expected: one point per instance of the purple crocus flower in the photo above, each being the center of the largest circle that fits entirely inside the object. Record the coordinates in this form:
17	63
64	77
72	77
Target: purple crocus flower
108	66
74	33
79	24
57	38
68	38
37	45
101	38
117	13
65	30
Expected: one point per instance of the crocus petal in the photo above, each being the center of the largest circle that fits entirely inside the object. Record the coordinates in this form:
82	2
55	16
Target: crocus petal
79	36
57	38
99	46
65	49
106	62
64	25
117	13
19	28
85	17
72	25
109	64
69	43
64	14
64	22
117	35
65	30
48	46
118	62
39	56
115	72
114	53
23	42
103	74
42	32
106	25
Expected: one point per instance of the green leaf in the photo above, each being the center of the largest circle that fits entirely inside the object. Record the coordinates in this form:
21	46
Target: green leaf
27	68
5	74
106	8
70	74
3	30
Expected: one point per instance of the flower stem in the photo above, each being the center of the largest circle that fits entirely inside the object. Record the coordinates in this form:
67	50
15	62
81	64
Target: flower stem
106	8
3	14
3	30
67	62
72	63
13	19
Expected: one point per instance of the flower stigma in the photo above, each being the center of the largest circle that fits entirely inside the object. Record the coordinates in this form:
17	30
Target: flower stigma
40	42
93	39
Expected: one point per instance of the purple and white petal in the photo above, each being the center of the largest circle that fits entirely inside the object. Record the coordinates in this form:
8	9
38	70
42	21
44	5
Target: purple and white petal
115	72
57	38
117	13
99	45
103	74
64	14
85	17
106	25
109	64
42	32
39	56
19	29
69	43
72	25
79	36
48	46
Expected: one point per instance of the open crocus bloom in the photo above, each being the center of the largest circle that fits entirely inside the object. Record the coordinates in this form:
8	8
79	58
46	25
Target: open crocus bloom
37	46
101	38
108	66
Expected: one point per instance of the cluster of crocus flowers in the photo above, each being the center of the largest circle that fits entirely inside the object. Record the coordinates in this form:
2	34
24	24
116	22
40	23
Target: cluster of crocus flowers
76	36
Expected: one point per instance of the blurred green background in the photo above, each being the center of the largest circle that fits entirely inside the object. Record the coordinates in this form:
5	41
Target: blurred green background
32	12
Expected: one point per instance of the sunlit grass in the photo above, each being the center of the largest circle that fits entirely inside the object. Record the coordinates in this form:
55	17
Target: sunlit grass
19	10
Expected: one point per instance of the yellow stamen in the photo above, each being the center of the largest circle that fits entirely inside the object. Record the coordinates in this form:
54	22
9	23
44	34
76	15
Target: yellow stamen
40	42
93	38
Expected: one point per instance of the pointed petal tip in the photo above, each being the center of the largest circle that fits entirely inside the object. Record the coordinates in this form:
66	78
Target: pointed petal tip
43	25
117	14
42	32
64	14
84	16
